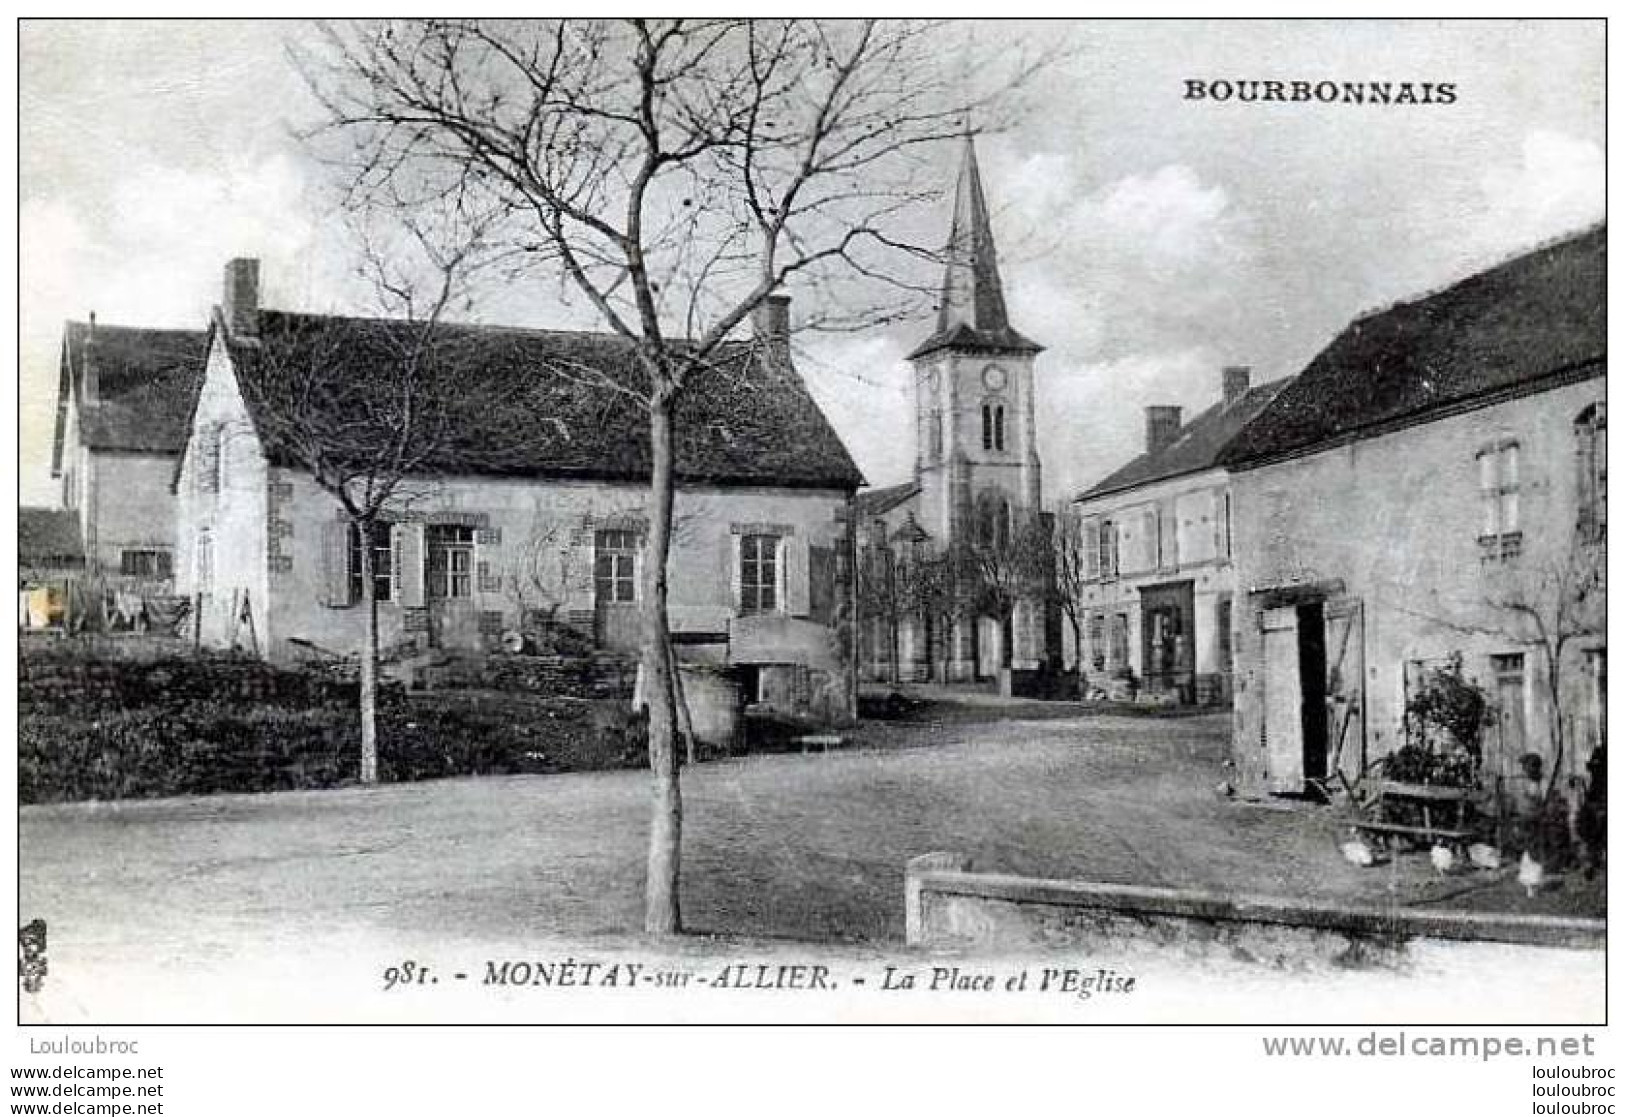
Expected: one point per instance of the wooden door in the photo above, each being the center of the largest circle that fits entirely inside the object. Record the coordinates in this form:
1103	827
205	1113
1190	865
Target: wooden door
1345	688
1283	700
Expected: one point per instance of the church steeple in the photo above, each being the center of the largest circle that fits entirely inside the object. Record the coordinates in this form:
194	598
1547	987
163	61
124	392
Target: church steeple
971	311
971	292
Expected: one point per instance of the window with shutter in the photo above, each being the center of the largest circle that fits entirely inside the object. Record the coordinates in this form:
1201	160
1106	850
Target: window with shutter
1590	435
1089	543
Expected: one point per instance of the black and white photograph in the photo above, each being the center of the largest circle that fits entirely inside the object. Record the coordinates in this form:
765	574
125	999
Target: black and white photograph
812	520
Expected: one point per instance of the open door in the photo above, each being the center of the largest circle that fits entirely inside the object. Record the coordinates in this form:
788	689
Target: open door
1295	706
1283	700
1345	688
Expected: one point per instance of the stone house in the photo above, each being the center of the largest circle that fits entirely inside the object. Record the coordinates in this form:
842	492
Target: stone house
977	476
1157	590
1432	485
123	399
529	515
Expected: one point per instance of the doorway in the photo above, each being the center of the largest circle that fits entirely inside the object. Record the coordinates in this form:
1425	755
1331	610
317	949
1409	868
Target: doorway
1294	706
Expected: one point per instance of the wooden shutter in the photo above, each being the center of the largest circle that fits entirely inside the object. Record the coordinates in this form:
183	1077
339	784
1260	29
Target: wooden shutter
793	553
728	567
1168	536
1090	542
406	540
336	564
822	581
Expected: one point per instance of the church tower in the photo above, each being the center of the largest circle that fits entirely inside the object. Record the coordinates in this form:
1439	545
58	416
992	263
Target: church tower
976	443
976	451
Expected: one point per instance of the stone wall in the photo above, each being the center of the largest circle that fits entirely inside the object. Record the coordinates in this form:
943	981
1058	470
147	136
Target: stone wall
947	905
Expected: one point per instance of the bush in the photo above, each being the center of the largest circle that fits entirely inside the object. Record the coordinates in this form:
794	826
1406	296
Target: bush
104	730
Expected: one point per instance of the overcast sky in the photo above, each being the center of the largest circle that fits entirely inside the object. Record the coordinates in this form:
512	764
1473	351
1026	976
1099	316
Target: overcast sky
1146	240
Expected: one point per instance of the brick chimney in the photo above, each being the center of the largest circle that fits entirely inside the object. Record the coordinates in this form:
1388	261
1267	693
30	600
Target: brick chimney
90	388
1161	427
1237	379
771	318
240	304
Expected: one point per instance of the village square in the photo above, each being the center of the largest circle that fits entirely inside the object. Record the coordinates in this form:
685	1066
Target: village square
409	622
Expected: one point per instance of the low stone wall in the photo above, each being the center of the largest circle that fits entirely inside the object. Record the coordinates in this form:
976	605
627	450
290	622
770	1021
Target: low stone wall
70	682
599	675
948	905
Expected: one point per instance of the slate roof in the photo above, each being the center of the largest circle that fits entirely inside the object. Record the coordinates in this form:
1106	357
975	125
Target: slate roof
1537	318
48	537
544	403
971	313
877	502
1197	447
147	382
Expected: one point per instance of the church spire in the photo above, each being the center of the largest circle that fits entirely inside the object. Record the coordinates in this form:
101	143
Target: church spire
971	310
971	292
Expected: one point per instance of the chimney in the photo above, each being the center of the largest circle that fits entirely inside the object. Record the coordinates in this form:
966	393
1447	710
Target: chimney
772	321
1161	428
241	303
1237	379
89	380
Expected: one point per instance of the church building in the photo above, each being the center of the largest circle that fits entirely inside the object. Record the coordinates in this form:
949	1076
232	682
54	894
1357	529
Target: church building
976	490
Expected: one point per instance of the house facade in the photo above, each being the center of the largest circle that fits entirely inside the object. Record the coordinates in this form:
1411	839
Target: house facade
1155	599
123	398
1431	488
977	477
479	551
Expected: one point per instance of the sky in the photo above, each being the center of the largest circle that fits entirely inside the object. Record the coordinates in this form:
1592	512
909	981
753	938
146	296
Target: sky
1146	240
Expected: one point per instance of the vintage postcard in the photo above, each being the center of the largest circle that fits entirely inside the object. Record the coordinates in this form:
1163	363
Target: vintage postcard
569	520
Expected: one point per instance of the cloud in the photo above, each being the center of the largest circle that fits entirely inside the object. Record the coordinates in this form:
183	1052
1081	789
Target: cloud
1558	185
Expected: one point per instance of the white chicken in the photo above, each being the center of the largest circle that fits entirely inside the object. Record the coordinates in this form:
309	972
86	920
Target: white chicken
1531	874
1484	856
1357	852
1444	858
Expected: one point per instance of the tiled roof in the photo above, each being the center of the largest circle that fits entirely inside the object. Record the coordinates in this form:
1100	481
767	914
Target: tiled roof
544	402
1539	316
146	383
877	502
48	537
1197	446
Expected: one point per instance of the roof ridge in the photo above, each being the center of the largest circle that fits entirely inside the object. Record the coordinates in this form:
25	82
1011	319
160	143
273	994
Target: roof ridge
498	327
1501	260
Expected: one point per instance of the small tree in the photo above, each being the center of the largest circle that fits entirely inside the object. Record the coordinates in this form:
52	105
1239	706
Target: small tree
1070	579
1447	714
365	407
1008	559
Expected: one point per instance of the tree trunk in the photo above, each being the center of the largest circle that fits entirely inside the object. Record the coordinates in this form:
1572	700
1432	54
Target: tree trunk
661	913
1007	638
896	650
369	661
685	716
1077	646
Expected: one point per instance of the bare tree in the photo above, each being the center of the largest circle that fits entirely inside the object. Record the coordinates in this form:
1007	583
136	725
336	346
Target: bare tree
1072	574
882	595
1546	610
368	407
1545	607
1008	557
674	175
